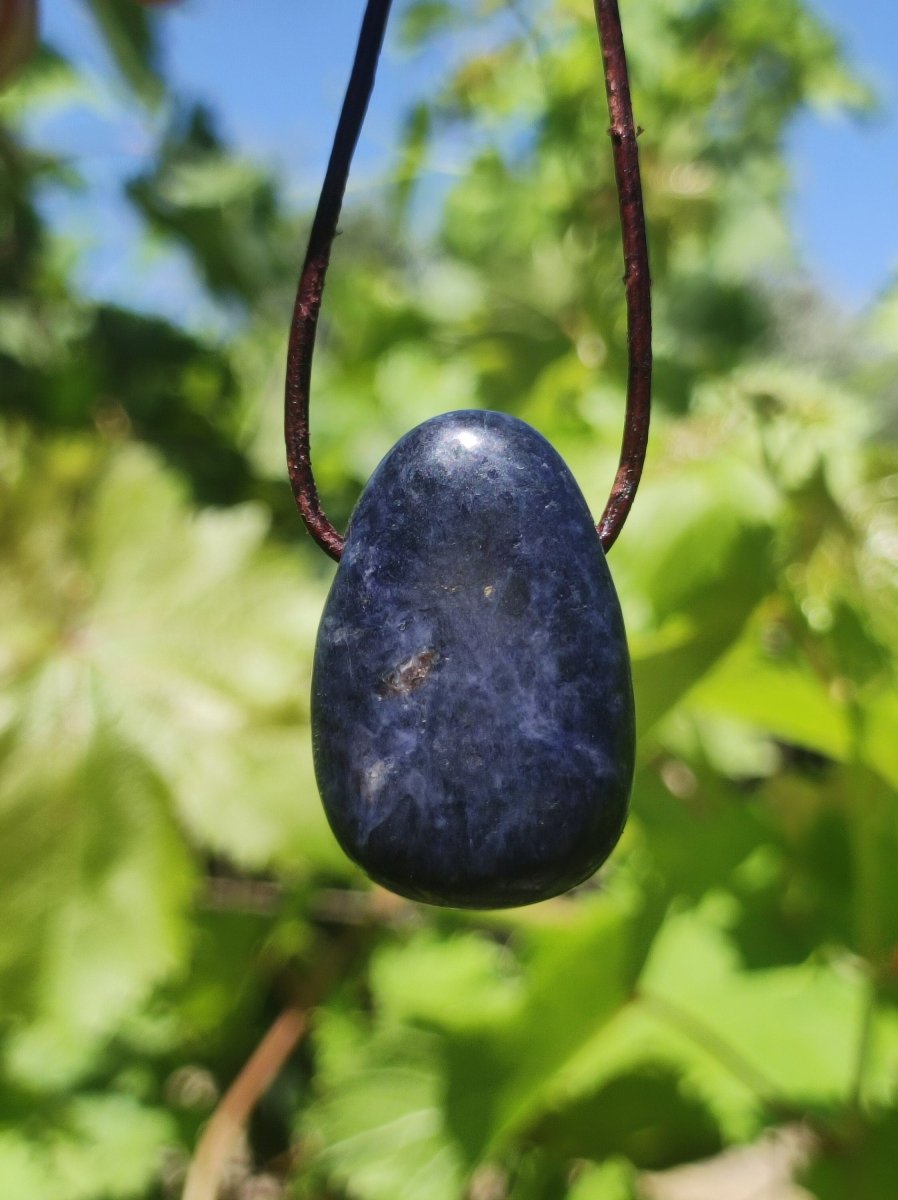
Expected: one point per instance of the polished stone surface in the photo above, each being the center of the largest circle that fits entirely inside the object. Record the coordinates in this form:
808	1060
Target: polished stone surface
472	710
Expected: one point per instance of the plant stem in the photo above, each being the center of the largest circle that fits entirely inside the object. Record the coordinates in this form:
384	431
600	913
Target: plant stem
257	1075
217	1142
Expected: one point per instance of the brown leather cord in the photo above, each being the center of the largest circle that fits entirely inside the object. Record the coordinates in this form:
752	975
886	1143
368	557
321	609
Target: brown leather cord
637	280
304	324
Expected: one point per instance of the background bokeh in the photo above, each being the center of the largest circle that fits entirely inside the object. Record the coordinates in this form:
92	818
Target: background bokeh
172	905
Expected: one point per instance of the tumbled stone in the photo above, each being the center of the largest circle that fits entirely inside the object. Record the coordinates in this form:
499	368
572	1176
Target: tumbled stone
472	711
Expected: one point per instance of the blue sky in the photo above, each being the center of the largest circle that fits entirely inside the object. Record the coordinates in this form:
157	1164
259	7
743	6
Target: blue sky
845	173
276	80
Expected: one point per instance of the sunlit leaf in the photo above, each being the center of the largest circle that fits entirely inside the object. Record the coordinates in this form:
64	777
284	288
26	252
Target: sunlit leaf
379	1127
102	1145
93	864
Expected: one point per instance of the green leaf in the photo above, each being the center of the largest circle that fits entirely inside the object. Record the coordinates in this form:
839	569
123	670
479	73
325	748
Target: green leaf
49	81
700	623
463	982
187	630
212	181
780	695
644	1115
99	1146
579	975
879	716
791	1034
222	210
860	1165
23	1167
422	19
130	36
93	864
615	1179
378	1127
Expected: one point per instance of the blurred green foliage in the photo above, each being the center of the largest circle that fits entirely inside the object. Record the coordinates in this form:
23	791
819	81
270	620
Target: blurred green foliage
167	881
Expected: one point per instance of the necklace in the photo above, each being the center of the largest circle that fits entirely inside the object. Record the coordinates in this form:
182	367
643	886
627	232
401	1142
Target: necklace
472	710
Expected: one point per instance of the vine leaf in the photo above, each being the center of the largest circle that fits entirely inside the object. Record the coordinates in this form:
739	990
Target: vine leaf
128	722
103	881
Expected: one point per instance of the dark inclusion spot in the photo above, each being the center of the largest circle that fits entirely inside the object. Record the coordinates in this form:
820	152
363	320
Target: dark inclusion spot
409	675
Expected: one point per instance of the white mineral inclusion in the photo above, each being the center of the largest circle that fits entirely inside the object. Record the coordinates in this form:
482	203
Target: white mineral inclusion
374	779
468	438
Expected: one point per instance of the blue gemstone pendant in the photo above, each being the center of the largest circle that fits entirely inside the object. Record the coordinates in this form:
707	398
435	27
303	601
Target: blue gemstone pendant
472	709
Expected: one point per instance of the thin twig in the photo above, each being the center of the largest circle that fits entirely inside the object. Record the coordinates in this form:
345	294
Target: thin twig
311	283
216	1145
261	897
637	280
230	1117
